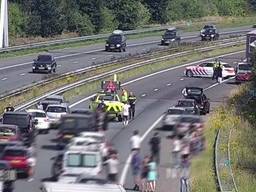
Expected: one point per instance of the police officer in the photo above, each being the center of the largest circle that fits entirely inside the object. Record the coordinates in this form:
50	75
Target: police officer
124	96
132	100
215	69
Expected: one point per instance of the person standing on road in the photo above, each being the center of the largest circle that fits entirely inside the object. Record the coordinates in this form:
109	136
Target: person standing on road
135	141
144	174
132	101
126	109
124	96
113	164
152	174
155	142
136	168
219	73
215	66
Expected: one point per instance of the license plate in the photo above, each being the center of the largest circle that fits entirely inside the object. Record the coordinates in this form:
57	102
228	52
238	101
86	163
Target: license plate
41	67
3	139
68	136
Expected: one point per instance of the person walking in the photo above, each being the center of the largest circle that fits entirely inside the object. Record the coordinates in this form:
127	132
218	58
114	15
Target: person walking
144	174
113	164
152	175
132	100
136	168
155	142
126	109
135	141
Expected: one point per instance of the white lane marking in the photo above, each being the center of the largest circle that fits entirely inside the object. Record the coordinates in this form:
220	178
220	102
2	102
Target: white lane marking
75	62
128	161
4	79
93	58
143	95
156	89
181	79
22	74
157	73
169	84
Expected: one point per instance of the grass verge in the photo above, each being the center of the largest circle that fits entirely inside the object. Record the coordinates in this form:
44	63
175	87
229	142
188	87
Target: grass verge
192	25
238	116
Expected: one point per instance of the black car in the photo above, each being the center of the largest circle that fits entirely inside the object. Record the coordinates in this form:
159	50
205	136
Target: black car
209	32
72	125
116	41
25	123
200	98
170	37
189	105
44	63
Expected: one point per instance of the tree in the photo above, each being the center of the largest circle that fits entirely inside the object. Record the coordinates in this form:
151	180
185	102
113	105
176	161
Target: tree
16	20
158	10
108	20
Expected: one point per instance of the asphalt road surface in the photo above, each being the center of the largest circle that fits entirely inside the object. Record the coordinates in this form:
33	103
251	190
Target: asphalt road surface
155	94
16	72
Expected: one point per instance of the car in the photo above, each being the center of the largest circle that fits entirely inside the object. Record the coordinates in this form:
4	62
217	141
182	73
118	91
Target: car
188	105
72	125
206	69
43	122
9	133
170	117
187	124
8	176
116	41
114	106
58	98
243	72
25	123
44	63
209	32
200	98
19	158
55	111
170	37
5	144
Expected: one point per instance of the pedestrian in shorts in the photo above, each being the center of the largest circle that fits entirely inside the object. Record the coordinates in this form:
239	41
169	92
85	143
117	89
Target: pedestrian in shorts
126	110
136	163
113	164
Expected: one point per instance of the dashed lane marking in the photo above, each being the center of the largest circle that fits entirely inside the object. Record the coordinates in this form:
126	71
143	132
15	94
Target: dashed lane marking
169	84
156	89
4	79
22	74
143	95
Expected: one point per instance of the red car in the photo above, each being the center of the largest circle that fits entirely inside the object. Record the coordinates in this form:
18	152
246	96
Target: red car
19	158
9	133
244	72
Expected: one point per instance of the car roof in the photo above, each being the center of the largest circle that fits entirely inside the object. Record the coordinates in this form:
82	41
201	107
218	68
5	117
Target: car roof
77	139
8	126
44	55
35	110
192	100
83	134
55	97
177	108
16	148
171	29
11	142
117	32
16	113
58	105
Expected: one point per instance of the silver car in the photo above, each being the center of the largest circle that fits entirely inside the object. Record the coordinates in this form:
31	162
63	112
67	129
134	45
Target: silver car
55	111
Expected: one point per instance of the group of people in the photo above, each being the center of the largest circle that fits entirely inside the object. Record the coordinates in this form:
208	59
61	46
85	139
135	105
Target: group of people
145	170
217	71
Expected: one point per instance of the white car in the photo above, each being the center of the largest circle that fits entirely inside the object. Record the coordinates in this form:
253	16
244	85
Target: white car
55	111
206	70
43	122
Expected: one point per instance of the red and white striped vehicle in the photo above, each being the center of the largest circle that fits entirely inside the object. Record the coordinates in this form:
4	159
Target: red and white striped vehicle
206	70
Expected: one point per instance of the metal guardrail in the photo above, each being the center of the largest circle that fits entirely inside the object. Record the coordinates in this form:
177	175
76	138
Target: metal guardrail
226	181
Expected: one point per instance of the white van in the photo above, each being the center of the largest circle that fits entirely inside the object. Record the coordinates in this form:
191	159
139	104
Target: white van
74	187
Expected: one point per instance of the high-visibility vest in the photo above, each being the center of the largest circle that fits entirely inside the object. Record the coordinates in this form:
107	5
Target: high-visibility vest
124	96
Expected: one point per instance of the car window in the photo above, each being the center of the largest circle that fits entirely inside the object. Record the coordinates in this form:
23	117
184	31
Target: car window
56	109
44	58
106	97
19	120
7	131
174	111
74	160
115	38
3	166
209	65
97	138
170	33
226	65
38	114
15	152
89	160
245	67
202	64
184	103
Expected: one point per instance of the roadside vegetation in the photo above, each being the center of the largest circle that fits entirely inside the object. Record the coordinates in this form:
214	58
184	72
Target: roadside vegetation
38	20
238	114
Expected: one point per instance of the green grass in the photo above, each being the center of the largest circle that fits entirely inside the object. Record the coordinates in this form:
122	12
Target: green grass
222	22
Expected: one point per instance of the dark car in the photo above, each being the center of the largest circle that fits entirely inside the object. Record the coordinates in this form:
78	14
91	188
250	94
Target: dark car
170	37
9	133
44	63
199	97
72	125
116	41
5	144
209	32
25	123
8	182
189	105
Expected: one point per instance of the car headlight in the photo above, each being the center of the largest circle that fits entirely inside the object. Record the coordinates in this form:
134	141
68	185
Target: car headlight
107	44
118	45
33	67
202	34
49	66
172	39
162	40
212	35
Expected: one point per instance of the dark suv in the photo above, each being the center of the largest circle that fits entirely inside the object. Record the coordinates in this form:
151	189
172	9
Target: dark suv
209	32
170	37
25	123
116	41
44	63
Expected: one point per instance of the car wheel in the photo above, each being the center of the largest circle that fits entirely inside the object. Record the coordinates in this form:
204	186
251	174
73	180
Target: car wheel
189	73
124	49
120	49
54	69
33	71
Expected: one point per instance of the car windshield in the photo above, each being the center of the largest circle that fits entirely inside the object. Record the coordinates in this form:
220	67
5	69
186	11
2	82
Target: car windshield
81	160
208	27
245	67
76	123
99	139
19	120
115	39
38	114
107	97
175	111
194	91
56	109
184	103
7	131
15	153
170	34
44	58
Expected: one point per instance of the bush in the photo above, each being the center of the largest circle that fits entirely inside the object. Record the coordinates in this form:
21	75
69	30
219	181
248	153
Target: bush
16	20
108	20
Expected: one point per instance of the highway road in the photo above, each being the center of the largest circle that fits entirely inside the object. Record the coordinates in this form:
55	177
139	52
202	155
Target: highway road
16	72
155	94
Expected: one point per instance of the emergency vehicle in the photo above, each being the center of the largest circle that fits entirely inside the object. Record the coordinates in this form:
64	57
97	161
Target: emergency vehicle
206	70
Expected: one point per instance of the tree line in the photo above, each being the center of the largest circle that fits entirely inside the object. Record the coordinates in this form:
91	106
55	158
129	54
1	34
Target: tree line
48	18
